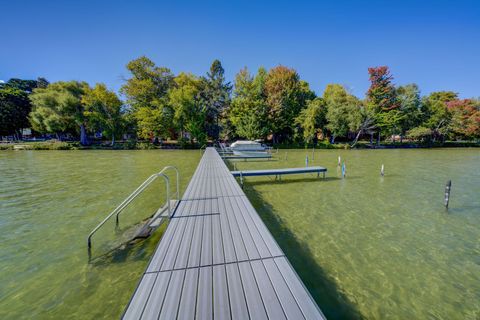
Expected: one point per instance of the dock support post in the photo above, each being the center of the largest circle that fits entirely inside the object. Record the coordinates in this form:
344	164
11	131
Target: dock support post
448	188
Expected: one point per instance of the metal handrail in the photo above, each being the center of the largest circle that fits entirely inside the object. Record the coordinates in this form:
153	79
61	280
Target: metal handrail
135	194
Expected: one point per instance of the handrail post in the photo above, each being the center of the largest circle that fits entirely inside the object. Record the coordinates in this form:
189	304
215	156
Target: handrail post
167	180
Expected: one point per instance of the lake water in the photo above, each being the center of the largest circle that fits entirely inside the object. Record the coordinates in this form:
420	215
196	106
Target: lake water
49	202
380	247
366	246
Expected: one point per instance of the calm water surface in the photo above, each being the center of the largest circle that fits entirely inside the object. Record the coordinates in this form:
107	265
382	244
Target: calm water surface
380	247
366	246
49	202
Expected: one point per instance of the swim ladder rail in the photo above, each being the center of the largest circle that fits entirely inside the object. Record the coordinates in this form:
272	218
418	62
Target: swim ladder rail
136	193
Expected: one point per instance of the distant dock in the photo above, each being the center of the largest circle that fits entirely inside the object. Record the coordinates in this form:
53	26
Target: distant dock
247	156
217	259
279	172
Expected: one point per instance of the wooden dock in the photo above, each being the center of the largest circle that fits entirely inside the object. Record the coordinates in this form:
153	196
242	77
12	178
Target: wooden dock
217	260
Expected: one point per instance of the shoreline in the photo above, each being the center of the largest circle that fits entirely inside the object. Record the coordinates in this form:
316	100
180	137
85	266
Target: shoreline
142	145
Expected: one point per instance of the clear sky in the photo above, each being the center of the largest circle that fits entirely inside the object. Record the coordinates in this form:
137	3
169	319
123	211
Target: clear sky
435	44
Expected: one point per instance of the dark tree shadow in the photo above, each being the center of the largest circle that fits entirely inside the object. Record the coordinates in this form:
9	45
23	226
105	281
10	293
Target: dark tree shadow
333	303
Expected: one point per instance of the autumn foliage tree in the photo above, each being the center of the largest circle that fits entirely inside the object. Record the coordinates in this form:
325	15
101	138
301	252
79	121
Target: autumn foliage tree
382	100
465	118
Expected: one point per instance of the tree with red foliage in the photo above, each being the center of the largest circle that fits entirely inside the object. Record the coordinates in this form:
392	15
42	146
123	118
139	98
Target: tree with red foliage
381	94
382	101
465	123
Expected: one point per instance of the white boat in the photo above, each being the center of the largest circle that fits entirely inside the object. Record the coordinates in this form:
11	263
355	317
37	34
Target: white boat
249	146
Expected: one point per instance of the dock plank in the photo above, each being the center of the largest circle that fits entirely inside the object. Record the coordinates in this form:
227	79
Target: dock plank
157	296
217	259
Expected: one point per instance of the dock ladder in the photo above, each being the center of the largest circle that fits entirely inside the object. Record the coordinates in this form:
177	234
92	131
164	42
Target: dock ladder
166	207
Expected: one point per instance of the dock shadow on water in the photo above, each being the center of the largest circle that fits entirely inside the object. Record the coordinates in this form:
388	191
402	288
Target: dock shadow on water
333	303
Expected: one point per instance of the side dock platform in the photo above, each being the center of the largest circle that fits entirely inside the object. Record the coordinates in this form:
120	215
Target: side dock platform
217	259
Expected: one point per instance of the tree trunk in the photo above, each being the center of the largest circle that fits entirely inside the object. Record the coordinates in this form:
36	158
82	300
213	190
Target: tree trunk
356	138
83	135
113	139
378	139
333	139
371	138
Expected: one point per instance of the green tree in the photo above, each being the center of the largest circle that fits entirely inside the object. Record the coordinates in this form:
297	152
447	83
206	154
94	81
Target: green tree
15	104
382	101
408	98
362	122
438	116
103	110
342	111
215	97
248	110
286	96
189	112
422	134
58	108
312	119
146	92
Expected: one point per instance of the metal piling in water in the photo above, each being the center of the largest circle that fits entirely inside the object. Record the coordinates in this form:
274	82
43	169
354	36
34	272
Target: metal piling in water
448	188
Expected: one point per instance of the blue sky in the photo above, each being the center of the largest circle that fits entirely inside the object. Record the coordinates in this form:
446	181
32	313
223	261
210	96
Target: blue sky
435	44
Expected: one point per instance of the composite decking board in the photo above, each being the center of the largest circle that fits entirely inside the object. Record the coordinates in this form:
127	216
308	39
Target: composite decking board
173	248
164	245
227	240
206	256
253	298
184	249
172	296
244	233
196	247
188	300
269	297
251	229
221	303
302	296
162	248
217	259
238	304
254	230
218	255
272	245
137	303
205	294
288	302
157	296
240	250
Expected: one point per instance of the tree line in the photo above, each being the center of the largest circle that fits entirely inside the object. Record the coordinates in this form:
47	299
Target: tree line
274	104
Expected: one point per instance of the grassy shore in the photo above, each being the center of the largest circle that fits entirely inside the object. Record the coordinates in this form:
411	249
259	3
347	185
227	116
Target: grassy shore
145	145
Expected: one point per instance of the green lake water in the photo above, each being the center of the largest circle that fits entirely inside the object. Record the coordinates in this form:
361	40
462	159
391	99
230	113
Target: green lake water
49	202
379	247
366	246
